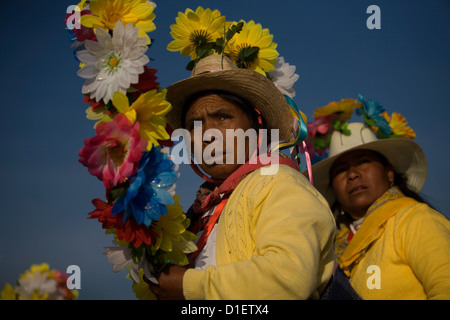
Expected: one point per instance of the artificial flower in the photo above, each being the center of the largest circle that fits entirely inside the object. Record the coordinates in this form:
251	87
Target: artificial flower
194	29
121	257
147	80
141	289
284	77
147	195
252	48
399	126
320	125
106	14
39	283
371	111
149	110
103	214
171	229
343	109
114	153
129	231
98	111
8	293
82	33
112	63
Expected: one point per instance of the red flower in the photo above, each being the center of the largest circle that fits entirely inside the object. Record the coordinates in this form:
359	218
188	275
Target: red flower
147	80
130	231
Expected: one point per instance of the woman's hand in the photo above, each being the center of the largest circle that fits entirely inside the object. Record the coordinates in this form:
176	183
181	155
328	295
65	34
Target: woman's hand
170	283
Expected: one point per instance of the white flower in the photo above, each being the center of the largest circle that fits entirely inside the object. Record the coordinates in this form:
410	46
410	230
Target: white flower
121	257
112	63
36	283
284	77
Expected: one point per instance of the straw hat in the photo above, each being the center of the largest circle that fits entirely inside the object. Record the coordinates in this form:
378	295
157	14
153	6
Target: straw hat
217	72
406	157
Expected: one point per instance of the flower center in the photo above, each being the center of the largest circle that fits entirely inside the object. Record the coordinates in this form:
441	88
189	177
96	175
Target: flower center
199	38
116	152
245	55
113	62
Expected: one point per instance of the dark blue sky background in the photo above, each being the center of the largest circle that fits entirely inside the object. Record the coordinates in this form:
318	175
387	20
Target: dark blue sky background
46	194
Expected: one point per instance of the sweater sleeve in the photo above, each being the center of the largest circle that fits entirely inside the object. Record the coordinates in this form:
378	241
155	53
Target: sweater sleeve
293	231
425	236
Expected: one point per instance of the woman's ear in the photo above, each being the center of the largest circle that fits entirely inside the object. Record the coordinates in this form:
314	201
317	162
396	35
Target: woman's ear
390	173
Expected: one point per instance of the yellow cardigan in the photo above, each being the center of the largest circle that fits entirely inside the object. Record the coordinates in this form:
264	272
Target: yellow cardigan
274	241
401	251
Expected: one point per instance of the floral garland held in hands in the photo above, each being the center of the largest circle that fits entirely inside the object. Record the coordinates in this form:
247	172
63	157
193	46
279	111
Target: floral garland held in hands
335	116
129	152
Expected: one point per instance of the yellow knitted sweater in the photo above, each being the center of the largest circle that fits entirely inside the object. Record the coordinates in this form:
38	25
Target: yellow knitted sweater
401	251
274	241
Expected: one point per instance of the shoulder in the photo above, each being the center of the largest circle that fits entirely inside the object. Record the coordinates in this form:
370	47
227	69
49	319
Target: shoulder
280	176
421	218
285	187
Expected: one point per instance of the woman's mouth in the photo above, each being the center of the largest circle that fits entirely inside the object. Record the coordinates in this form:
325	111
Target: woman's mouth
357	189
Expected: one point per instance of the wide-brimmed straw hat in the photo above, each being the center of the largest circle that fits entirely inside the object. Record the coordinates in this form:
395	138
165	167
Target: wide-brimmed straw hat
406	156
217	72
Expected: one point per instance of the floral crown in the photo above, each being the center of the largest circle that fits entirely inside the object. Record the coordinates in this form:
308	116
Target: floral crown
248	45
128	153
335	116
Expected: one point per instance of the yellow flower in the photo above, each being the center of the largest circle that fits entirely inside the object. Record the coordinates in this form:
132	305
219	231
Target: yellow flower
173	235
399	126
149	110
105	14
343	109
194	29
241	48
8	293
141	289
82	4
98	114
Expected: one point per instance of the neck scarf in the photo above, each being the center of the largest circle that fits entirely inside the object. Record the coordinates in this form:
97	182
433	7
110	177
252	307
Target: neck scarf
351	252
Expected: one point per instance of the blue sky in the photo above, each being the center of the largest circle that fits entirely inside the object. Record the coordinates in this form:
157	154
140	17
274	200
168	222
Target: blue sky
46	193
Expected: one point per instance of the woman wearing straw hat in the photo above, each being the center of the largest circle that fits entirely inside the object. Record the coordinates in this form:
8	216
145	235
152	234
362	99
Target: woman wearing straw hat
261	236
390	243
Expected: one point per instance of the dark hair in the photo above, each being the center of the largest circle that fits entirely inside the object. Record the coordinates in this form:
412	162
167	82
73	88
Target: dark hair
238	101
400	181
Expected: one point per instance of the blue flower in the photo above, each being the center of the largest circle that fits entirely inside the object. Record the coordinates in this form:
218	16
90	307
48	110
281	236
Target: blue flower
372	110
147	196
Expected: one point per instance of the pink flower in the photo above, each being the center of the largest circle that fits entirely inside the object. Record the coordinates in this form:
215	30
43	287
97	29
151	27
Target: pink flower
320	125
114	153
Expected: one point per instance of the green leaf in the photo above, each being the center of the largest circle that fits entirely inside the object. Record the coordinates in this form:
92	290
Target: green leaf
320	144
190	66
219	46
237	28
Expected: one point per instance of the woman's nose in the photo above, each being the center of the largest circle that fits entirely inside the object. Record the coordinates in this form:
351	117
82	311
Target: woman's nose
353	173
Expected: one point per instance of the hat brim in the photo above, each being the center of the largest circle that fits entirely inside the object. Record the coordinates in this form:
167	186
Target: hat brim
248	84
406	156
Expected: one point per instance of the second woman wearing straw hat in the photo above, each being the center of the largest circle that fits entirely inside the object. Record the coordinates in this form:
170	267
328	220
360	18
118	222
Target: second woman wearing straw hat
390	244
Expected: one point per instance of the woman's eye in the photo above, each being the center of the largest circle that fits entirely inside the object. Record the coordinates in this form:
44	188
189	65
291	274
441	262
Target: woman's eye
338	171
363	161
224	116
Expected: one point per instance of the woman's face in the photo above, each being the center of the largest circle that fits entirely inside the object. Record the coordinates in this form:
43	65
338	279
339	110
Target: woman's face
219	114
358	179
